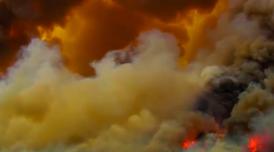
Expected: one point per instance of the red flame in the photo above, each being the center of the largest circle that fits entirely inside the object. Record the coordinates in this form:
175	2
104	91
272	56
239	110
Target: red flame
259	143
187	144
254	144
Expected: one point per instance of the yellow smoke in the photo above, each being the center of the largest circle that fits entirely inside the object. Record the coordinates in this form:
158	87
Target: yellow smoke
129	107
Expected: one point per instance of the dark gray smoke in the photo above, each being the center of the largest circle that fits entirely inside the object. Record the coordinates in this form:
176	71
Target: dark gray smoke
241	97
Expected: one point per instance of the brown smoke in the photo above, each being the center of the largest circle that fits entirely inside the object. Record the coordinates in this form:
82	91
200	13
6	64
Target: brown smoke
240	89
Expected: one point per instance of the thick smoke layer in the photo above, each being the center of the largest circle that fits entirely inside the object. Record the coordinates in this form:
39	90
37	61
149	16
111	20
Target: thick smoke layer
240	92
140	106
139	98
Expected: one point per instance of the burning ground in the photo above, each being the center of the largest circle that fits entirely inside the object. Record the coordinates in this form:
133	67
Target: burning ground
137	76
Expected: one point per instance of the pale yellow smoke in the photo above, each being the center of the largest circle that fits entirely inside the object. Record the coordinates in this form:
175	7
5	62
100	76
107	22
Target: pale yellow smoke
138	106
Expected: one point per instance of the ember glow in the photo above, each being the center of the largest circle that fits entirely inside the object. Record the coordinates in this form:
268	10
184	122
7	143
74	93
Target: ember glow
136	75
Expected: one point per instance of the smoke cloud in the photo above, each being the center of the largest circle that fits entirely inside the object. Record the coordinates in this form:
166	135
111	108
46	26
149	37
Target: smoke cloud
139	97
240	92
144	105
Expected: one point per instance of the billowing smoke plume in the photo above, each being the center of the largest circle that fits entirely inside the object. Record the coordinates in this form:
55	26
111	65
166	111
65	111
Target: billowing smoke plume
240	92
140	98
140	106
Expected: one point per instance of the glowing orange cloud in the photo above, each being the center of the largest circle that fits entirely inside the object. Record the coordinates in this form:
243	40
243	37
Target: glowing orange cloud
196	28
19	20
96	27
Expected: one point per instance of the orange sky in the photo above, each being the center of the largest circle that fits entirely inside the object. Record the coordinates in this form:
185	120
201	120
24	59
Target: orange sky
86	30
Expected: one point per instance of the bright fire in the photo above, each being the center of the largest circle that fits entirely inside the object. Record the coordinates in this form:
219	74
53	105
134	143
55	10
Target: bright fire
259	143
254	144
187	144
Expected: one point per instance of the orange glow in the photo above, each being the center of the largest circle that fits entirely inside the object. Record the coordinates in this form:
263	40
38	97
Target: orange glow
187	144
196	25
109	2
48	35
12	33
67	38
90	31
